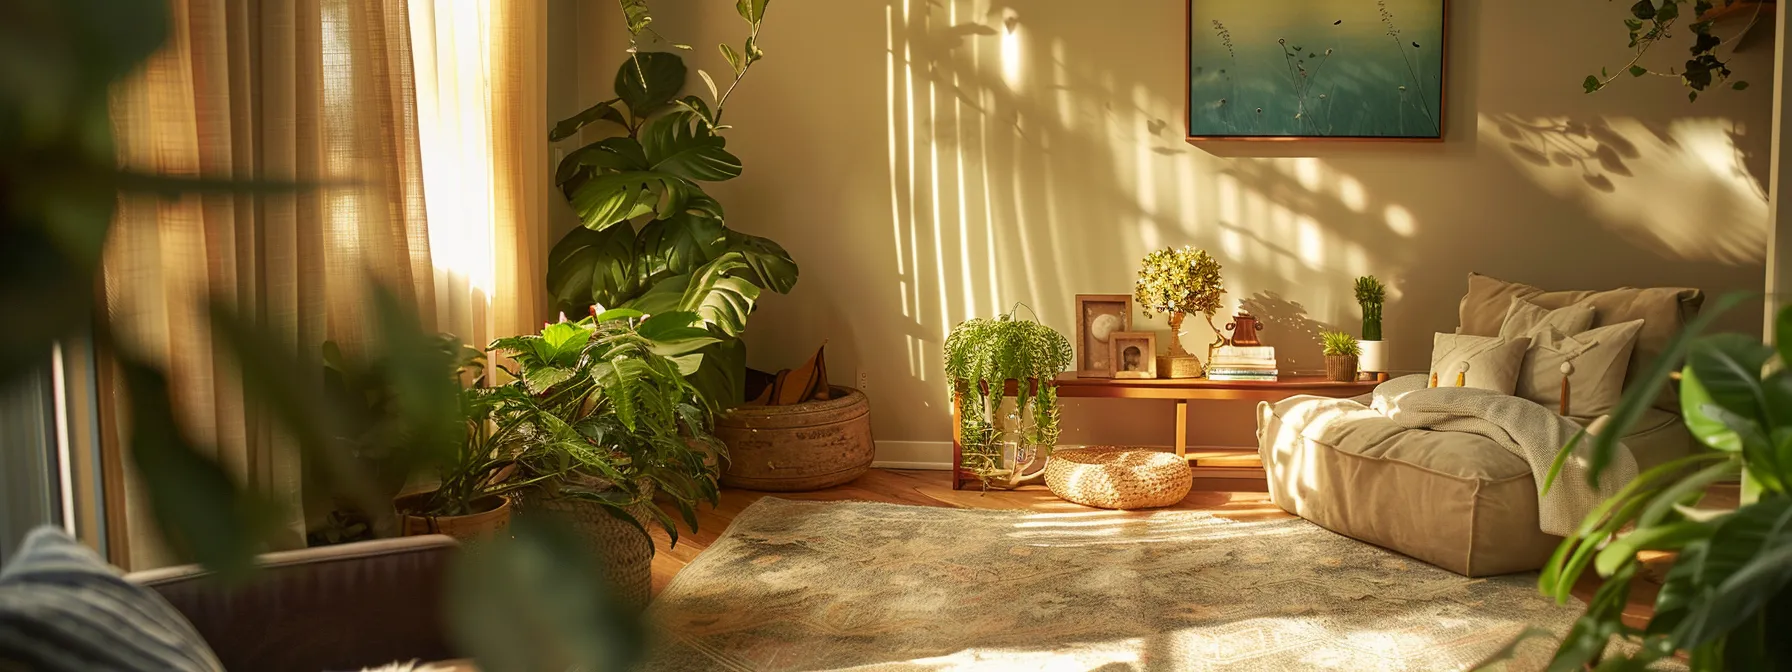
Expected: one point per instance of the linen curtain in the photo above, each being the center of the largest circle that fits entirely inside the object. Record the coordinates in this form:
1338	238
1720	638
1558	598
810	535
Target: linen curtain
299	90
338	92
482	114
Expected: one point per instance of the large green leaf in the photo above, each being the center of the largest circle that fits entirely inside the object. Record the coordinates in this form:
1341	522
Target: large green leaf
535	599
1696	405
604	111
608	155
722	378
1729	367
592	267
771	267
678	244
681	144
723	300
751	10
1643	389
1748	561
671	334
1671	536
607	200
648	80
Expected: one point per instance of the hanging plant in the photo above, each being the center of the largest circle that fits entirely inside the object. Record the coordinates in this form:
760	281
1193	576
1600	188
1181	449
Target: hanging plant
982	355
1653	21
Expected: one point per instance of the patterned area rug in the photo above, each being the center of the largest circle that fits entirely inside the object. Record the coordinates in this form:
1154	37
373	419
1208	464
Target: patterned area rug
838	585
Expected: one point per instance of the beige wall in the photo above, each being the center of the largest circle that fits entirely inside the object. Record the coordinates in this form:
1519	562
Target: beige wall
930	161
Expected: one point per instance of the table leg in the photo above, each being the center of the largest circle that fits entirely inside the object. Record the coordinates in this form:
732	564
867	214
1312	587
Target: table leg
1181	428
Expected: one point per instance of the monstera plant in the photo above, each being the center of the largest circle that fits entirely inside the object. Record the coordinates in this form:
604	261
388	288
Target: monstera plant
652	240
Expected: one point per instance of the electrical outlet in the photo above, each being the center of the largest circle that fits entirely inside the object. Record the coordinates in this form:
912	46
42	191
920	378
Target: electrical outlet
864	381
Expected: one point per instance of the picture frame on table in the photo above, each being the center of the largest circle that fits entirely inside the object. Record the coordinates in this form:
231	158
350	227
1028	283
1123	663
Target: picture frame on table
1134	354
1098	318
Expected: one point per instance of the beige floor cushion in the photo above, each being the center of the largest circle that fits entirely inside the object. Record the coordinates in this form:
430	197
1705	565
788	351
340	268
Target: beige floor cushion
1458	501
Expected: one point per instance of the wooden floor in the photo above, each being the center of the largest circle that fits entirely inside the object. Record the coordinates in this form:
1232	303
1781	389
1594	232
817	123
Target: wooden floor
922	488
934	488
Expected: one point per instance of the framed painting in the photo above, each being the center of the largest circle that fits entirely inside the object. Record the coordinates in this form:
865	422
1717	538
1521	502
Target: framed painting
1316	69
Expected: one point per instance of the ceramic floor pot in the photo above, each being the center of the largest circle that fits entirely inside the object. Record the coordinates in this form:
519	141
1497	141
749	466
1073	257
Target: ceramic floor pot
806	446
1340	368
491	518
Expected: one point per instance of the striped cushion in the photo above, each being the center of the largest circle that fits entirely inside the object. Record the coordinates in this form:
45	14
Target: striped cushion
63	608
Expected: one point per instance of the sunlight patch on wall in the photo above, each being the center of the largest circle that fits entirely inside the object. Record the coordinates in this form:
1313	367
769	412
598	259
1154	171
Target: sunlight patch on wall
1352	194
1683	190
1011	50
1401	221
1312	242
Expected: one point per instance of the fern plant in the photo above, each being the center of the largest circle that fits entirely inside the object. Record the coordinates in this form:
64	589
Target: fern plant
1369	294
605	412
982	355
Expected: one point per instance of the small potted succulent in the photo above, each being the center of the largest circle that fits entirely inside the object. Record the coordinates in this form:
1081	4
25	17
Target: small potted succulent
1341	352
1179	282
1369	294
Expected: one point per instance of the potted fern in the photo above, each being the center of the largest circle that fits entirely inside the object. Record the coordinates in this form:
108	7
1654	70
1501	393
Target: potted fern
1370	294
1341	352
982	356
606	420
1178	282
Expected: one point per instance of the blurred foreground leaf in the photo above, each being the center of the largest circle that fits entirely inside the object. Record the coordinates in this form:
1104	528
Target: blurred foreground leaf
203	513
537	602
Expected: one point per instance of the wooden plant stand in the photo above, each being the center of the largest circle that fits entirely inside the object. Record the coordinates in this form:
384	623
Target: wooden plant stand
1211	463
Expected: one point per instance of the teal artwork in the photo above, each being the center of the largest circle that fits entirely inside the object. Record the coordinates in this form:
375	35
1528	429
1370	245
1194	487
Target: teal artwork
1316	68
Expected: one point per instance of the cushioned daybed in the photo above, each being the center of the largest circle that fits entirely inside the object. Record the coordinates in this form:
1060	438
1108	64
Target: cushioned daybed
1459	501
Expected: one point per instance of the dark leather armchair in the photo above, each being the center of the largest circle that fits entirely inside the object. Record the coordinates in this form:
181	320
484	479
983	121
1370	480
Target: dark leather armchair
330	608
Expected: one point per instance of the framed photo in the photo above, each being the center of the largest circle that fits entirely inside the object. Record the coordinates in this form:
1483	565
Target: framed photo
1098	318
1316	69
1134	354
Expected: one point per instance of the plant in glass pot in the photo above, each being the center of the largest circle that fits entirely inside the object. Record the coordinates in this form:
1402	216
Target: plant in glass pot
651	239
1370	294
982	356
1341	351
1179	282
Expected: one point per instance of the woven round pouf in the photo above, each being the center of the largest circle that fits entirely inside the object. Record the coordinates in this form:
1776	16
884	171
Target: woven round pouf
1118	478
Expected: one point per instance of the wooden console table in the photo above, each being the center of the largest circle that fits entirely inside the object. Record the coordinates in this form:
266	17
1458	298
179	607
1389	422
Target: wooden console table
1182	391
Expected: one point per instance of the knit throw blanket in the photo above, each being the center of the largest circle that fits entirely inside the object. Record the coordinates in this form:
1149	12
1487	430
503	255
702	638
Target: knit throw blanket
1527	429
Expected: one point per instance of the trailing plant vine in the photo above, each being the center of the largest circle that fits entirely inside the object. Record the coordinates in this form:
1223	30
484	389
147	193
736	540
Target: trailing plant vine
1653	22
982	355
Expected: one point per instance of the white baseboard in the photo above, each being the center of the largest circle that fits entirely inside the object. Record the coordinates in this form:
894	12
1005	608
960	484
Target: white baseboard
935	455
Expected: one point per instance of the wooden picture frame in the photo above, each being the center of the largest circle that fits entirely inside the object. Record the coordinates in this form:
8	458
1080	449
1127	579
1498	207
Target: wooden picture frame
1191	70
1134	354
1093	353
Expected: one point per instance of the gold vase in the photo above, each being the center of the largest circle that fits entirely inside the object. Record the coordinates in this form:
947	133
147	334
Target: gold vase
1179	363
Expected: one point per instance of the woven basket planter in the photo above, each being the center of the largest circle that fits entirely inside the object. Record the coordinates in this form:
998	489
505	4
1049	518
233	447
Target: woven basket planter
1118	478
806	446
626	552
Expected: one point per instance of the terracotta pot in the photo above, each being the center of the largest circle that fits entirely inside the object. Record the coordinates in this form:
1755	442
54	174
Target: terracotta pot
492	518
806	446
1340	368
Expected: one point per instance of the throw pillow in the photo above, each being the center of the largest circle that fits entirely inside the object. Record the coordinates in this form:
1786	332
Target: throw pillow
1598	359
1529	320
1664	310
63	608
1486	362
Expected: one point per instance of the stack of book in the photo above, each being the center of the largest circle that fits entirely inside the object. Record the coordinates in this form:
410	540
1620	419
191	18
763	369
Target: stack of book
1237	362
